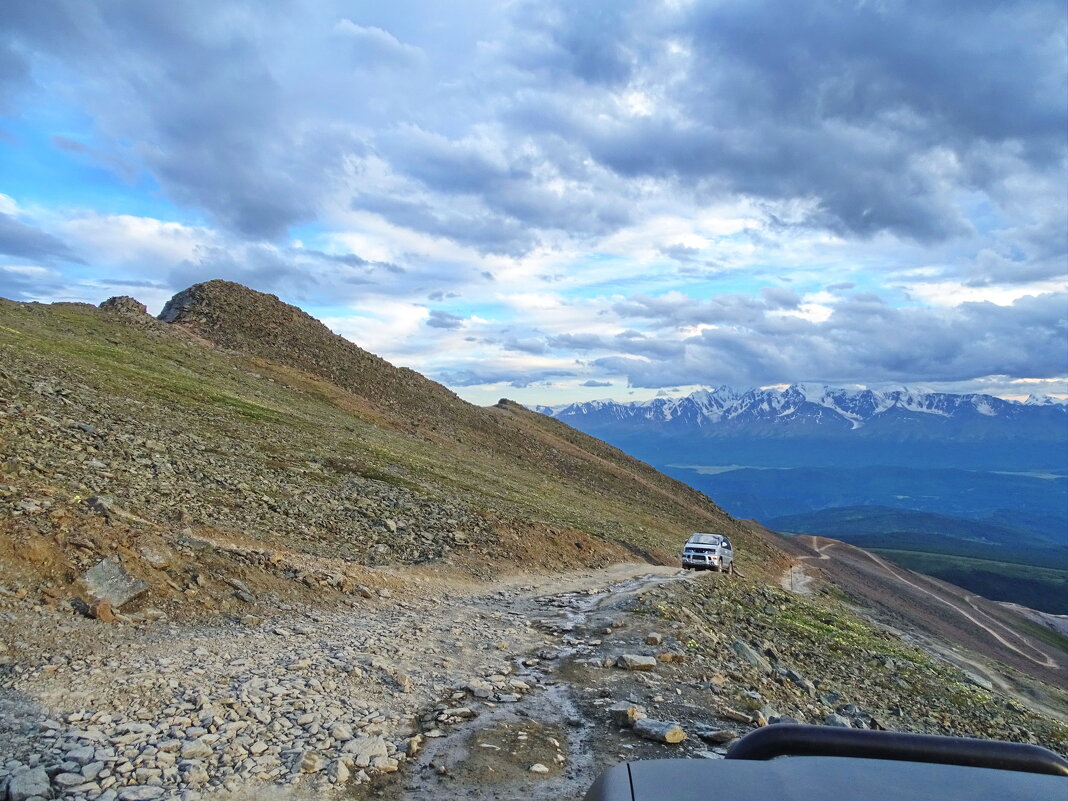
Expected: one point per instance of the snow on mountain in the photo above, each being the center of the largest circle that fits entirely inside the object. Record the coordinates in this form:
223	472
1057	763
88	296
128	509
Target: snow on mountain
821	404
1044	400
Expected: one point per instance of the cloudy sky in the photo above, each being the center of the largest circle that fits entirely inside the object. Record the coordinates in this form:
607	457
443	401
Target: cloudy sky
555	201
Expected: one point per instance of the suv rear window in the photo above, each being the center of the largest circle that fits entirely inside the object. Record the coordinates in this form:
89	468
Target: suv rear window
704	539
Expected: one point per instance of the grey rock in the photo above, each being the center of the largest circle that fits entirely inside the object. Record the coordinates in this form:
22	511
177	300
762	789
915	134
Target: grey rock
636	662
29	783
68	780
140	793
109	581
837	720
196	749
92	770
747	652
124	304
341	732
800	681
194	772
82	755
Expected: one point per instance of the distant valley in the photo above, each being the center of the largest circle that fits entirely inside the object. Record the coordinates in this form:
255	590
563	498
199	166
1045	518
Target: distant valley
957	486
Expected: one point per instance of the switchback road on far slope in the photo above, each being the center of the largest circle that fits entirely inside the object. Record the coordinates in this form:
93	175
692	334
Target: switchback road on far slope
950	613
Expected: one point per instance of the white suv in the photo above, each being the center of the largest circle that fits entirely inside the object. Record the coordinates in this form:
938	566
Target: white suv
708	551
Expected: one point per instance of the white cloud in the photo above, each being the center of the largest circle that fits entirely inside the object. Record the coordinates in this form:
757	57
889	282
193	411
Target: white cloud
143	244
953	293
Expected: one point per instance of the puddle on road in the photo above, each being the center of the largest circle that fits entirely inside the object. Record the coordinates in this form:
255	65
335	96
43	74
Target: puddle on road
489	758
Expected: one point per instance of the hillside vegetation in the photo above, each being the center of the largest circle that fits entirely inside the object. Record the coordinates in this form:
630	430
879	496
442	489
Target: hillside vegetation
243	418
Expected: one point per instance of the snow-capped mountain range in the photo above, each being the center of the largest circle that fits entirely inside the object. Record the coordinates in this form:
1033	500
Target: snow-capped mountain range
820	405
807	425
810	408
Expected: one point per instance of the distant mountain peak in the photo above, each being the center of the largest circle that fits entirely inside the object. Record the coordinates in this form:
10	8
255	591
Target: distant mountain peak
803	404
1044	400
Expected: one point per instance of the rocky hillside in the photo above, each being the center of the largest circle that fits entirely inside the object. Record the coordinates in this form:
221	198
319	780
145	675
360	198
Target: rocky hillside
239	552
238	418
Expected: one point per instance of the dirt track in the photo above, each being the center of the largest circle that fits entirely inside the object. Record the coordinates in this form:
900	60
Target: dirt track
946	612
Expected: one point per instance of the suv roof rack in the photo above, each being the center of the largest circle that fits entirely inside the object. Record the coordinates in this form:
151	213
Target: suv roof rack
787	739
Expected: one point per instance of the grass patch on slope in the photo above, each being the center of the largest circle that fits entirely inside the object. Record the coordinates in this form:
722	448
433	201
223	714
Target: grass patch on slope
277	415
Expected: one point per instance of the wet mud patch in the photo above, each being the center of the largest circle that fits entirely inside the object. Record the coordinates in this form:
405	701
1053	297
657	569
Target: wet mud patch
525	750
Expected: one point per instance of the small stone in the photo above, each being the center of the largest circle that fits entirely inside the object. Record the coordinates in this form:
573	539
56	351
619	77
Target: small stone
717	736
339	771
738	717
194	772
82	756
140	793
68	780
312	762
385	764
341	732
837	720
480	688
413	745
746	652
635	662
102	610
537	767
653	639
196	749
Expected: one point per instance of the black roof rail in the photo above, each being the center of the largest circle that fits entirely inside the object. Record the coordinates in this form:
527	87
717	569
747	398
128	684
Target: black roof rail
788	739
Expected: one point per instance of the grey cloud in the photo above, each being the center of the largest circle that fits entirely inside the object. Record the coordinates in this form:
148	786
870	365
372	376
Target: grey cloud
578	342
474	376
350	259
594	383
680	253
487	232
778	297
864	340
68	144
24	241
586	41
505	190
444	319
533	345
439	294
22	286
840	287
205	113
870	117
848	105
299	274
676	310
